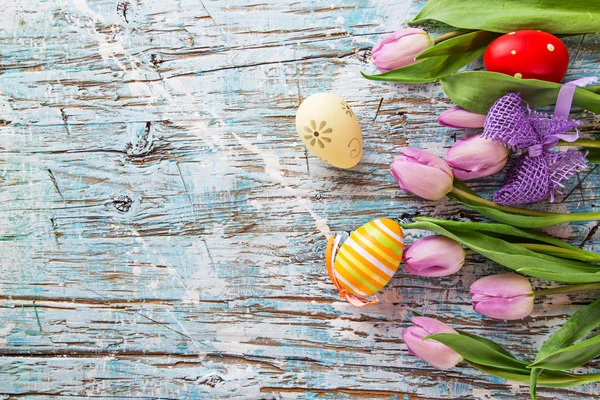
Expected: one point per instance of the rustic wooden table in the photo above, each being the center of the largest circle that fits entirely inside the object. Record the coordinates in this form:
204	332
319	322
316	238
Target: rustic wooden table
162	228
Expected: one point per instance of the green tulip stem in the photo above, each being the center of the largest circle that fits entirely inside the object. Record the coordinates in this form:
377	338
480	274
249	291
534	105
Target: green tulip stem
561	251
560	217
581	143
450	35
552	381
567	289
512	210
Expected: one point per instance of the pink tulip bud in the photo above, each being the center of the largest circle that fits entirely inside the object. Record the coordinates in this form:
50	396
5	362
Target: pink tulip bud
503	296
422	173
400	48
475	157
432	351
458	117
434	256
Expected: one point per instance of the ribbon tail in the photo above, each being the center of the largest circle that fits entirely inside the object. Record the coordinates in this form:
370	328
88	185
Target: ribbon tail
331	251
329	255
566	93
552	140
359	301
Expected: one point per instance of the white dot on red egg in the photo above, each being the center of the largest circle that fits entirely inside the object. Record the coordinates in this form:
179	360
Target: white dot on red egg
518	75
511	33
513	52
550	47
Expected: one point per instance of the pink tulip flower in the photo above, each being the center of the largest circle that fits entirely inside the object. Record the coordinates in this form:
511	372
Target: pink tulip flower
476	157
422	173
400	48
432	351
503	296
458	117
434	256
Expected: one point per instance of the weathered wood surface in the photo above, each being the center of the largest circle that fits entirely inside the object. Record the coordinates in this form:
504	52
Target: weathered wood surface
162	228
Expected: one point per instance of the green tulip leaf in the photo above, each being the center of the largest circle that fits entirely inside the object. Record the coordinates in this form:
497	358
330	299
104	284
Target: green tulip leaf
491	344
477	91
522	221
489	357
572	356
593	156
428	70
525	221
532	240
573	253
508	254
564	277
478	351
534	377
547	378
514	218
516	257
554	16
459	44
582	322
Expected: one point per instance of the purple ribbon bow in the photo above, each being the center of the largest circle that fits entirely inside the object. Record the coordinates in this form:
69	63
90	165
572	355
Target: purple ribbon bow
537	173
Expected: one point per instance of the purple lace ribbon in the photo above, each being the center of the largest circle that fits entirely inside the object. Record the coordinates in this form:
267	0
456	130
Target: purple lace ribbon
562	109
538	172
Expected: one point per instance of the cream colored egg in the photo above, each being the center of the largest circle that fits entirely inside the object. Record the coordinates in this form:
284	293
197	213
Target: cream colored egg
330	130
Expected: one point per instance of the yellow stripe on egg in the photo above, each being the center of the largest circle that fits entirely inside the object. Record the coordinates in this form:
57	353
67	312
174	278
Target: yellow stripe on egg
387	259
366	262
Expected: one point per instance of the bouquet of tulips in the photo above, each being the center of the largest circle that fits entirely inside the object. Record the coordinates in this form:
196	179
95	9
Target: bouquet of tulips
500	100
412	56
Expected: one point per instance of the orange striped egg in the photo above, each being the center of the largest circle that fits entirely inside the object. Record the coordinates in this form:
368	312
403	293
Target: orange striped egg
368	259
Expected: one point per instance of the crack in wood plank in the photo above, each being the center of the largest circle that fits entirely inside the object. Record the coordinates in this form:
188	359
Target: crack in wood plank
53	179
590	236
37	317
579	184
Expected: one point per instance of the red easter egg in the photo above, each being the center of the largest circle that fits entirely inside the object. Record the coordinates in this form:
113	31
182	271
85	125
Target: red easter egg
528	55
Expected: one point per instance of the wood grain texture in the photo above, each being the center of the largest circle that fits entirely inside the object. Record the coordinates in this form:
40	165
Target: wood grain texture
162	228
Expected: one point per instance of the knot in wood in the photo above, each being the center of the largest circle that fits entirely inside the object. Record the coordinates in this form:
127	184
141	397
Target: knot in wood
122	203
141	139
212	381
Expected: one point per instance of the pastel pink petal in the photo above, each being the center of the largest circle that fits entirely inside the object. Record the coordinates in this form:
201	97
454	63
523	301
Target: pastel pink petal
433	271
432	325
458	117
506	308
400	48
426	158
434	245
395	36
465	175
434	256
432	351
475	157
477	152
424	181
502	285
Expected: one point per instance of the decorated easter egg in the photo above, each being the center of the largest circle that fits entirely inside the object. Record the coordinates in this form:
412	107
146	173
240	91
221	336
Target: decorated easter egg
330	130
528	55
368	259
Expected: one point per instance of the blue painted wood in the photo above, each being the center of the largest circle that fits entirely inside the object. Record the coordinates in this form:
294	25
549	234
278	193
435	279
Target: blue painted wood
162	228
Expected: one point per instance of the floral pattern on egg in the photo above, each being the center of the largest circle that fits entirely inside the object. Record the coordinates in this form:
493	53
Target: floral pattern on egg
329	129
317	135
347	109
